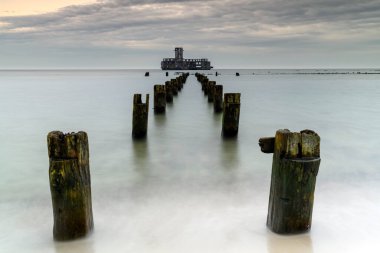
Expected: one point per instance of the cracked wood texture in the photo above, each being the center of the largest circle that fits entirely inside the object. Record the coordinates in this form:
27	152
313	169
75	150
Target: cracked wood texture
70	184
295	167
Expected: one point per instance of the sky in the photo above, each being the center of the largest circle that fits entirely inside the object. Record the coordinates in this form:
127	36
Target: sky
107	34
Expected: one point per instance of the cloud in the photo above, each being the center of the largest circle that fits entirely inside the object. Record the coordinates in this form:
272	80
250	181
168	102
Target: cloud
218	25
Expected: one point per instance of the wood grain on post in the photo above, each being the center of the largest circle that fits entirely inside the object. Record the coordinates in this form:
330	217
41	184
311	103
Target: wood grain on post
296	159
231	114
159	98
70	184
140	116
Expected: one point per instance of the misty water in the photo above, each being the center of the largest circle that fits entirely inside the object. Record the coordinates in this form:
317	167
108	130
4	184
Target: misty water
185	189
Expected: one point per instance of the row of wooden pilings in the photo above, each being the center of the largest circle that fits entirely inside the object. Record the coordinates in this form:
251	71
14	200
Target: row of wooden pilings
162	94
230	105
296	160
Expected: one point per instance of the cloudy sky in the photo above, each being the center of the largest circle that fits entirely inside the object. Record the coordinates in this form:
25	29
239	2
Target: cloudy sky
231	33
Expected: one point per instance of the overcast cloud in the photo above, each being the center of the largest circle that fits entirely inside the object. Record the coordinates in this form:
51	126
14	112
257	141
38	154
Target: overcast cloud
239	33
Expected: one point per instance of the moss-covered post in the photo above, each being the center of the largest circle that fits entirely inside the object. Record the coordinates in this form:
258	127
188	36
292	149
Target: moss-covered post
70	184
231	114
218	98
210	91
296	159
140	116
169	92
159	98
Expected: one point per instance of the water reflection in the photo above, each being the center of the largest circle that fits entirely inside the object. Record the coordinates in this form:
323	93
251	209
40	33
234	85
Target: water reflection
140	154
217	119
81	245
229	153
300	243
159	120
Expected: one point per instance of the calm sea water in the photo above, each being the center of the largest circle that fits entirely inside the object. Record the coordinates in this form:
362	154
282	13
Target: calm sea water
185	189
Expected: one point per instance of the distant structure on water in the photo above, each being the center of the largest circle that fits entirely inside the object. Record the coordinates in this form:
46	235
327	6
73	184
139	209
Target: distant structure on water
179	63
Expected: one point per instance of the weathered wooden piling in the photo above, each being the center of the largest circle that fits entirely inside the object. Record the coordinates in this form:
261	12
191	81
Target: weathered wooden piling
159	98
146	73
231	114
210	91
70	184
169	92
186	75
204	83
216	73
174	86
218	98
296	159
140	116
167	73
180	82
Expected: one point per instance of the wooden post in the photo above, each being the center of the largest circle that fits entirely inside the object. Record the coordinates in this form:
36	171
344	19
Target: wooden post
237	74
140	116
159	98
70	184
180	82
175	86
296	159
167	73
210	91
169	92
231	114
185	76
146	73
267	144
204	83
218	98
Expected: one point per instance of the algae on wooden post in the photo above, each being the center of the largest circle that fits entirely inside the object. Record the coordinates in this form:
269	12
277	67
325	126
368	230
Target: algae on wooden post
70	184
140	116
159	98
231	114
296	159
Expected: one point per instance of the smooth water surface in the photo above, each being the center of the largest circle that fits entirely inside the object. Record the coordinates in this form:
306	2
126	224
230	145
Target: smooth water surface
184	188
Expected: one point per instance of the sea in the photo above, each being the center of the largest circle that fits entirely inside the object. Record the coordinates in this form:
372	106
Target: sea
185	189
